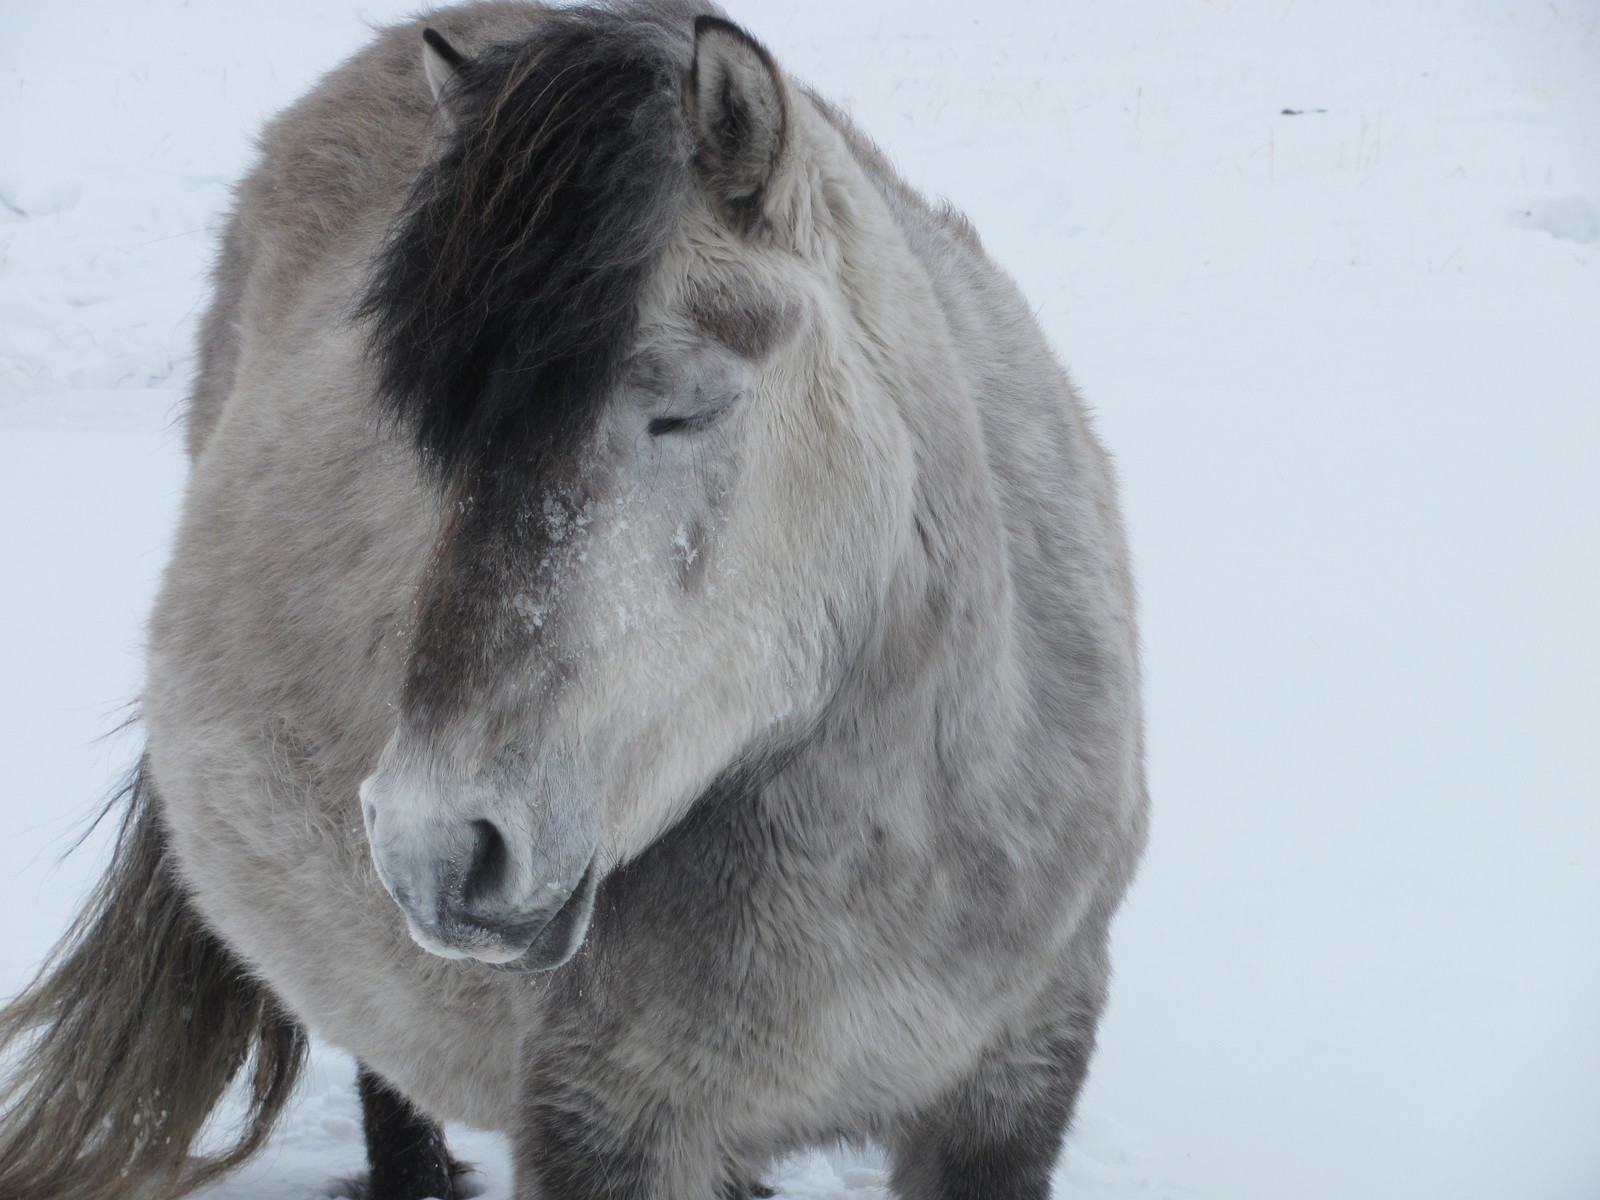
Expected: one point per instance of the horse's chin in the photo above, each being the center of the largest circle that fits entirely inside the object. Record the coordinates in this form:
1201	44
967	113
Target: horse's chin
561	936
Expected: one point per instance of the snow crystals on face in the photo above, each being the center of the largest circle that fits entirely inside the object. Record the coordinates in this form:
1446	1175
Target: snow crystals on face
601	550
530	610
683	551
560	522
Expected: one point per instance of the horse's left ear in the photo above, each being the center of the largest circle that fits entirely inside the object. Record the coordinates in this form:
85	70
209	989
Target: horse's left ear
738	111
440	62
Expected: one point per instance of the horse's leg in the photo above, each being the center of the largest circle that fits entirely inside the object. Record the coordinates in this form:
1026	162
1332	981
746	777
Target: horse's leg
590	1132
996	1135
405	1150
576	1152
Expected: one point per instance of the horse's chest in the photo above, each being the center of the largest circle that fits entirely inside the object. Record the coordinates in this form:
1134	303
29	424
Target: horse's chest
796	1011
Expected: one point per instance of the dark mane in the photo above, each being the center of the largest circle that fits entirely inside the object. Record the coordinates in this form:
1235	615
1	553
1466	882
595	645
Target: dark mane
504	299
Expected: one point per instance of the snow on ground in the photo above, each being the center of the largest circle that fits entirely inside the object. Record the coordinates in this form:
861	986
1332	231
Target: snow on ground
1330	273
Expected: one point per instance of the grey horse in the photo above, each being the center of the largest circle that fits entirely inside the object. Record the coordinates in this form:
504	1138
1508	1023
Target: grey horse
648	664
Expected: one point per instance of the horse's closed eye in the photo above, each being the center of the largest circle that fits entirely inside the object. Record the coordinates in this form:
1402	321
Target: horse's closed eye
693	421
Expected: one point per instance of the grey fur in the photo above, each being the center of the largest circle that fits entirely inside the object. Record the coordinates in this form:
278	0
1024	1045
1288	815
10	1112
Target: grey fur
844	686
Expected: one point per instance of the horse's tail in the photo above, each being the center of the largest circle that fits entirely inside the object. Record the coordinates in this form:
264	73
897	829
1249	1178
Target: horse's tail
116	1054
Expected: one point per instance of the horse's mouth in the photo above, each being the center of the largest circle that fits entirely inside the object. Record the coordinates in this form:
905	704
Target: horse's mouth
562	934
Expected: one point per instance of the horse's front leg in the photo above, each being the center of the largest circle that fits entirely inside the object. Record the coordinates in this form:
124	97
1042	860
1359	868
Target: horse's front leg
588	1133
997	1134
406	1152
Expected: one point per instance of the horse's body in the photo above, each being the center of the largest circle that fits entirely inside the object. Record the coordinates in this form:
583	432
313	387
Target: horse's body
868	895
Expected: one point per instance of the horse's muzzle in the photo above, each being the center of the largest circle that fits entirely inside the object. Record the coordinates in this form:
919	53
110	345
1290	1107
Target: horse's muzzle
500	887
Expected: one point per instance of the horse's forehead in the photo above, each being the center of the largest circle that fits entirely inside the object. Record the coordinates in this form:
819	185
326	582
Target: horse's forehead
505	297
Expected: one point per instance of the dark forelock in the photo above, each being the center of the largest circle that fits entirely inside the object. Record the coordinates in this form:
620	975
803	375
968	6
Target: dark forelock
503	301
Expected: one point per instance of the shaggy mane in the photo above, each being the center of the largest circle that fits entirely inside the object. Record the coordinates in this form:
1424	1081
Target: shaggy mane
503	302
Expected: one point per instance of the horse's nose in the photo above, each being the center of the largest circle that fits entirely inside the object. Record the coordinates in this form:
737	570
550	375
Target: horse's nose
485	877
476	883
457	885
481	901
493	912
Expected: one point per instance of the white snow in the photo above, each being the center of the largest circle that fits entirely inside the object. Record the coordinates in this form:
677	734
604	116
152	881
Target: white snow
1349	362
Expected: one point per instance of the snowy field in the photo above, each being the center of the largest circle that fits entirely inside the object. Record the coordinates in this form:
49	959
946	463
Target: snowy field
1330	274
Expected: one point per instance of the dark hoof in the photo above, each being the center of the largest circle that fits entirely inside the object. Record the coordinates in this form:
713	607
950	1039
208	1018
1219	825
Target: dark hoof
739	1190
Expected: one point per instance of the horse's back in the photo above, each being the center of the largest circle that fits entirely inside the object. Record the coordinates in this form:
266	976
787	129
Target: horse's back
1057	503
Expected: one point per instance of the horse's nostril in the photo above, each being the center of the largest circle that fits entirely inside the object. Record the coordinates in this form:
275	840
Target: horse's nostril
487	871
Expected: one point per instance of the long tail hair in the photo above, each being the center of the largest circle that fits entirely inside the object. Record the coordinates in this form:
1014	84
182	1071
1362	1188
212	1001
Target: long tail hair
113	1057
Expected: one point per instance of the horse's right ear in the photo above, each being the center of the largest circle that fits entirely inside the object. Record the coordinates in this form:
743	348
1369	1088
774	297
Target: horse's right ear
738	111
441	61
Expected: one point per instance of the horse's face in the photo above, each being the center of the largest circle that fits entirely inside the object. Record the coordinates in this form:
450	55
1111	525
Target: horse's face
675	596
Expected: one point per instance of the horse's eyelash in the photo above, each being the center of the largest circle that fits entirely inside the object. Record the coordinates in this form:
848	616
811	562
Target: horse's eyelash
699	420
661	425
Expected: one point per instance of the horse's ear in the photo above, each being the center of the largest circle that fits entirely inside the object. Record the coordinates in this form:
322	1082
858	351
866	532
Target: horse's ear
737	110
441	61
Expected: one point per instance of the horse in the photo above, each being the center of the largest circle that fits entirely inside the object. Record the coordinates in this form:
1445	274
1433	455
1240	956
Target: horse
648	663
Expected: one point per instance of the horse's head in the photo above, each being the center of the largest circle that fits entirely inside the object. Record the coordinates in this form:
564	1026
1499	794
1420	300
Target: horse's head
634	317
